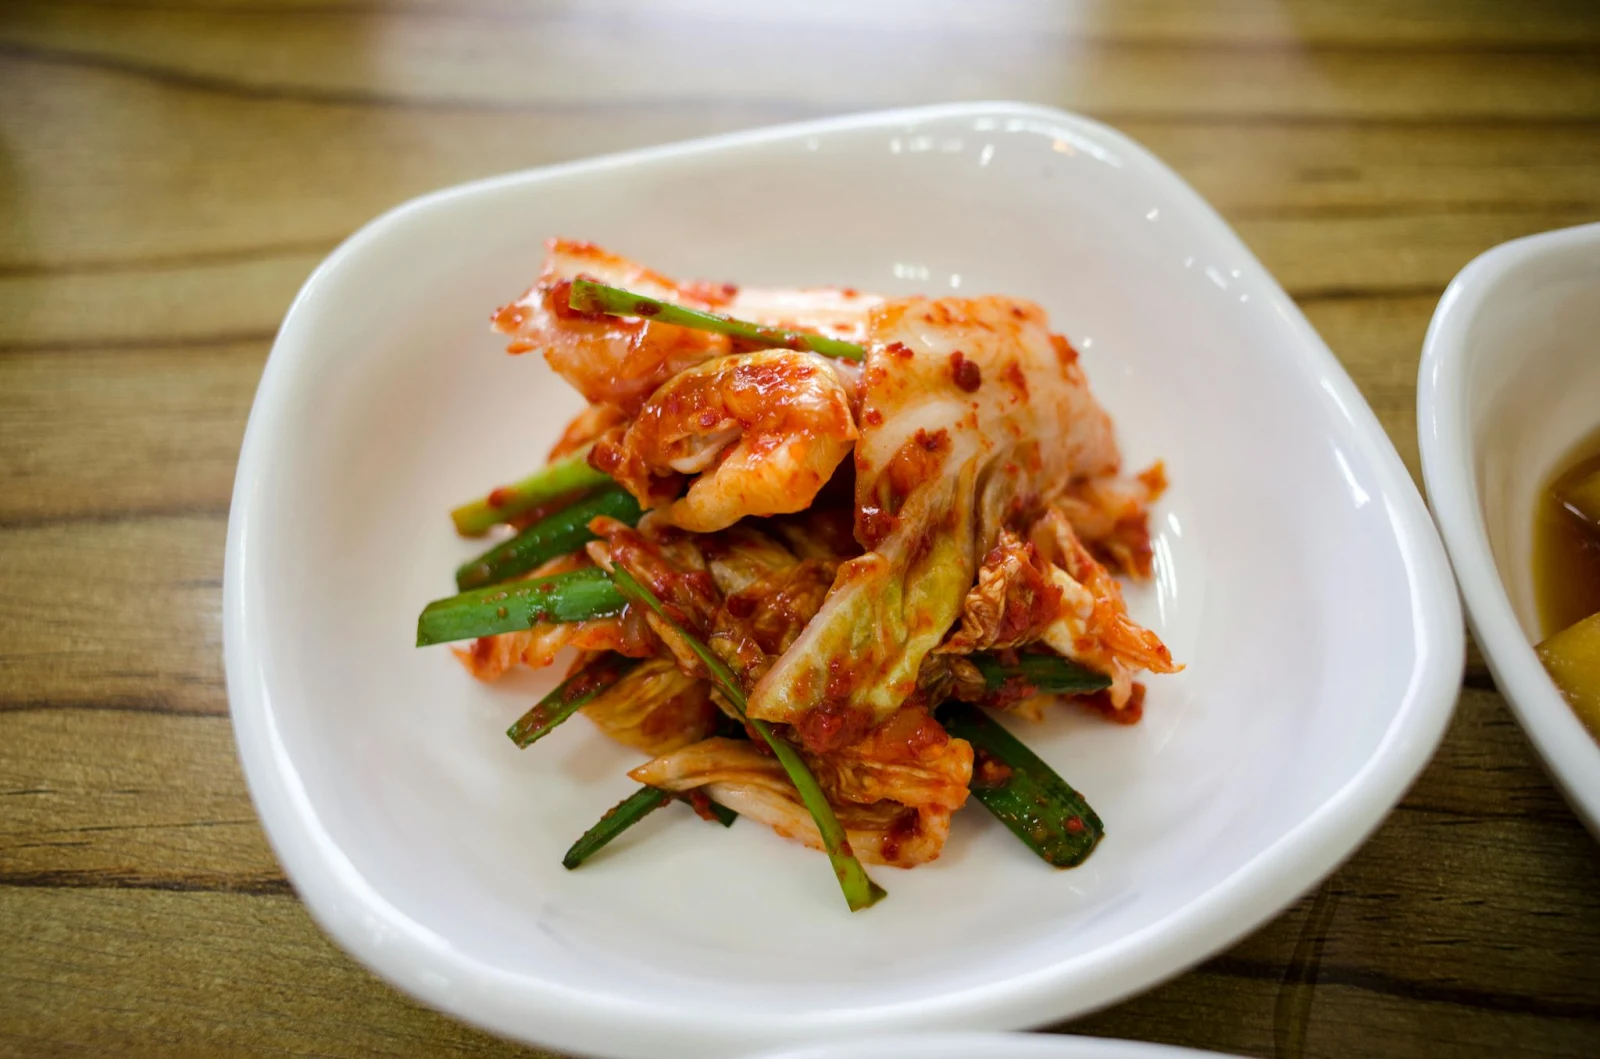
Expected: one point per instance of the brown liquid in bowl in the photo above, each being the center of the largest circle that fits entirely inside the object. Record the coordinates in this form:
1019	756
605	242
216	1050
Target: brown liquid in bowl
1566	547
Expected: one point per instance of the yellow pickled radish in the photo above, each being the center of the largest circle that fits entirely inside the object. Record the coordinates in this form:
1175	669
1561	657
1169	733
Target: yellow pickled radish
1573	658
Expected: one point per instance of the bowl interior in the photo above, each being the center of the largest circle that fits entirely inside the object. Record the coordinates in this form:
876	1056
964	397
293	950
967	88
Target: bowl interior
1532	393
1284	584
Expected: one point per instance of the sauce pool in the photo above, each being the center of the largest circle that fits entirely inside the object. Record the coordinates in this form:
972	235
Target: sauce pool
1566	548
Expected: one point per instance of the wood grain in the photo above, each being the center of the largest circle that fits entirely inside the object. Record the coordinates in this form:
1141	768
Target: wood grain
172	171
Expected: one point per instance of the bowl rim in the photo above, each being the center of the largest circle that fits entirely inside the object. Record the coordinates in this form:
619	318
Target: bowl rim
1449	459
429	969
991	1045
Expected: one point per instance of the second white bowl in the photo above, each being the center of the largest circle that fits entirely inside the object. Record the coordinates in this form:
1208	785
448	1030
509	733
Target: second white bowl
1510	381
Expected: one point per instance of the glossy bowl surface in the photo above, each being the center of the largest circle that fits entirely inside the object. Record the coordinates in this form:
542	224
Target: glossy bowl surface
1299	578
990	1046
1509	383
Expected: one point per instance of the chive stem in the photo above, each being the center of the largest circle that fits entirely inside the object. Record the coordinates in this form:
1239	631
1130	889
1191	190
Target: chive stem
569	696
566	475
591	297
579	595
564	531
859	890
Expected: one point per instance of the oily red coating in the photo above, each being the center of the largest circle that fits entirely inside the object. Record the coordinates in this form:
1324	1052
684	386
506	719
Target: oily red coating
988	771
689	596
919	461
609	359
902	831
832	725
1111	515
763	432
1100	702
1014	601
965	373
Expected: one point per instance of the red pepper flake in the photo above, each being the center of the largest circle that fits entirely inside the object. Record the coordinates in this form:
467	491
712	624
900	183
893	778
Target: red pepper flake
1100	702
989	772
702	806
1013	374
558	300
904	827
500	497
1075	825
1064	351
1013	689
711	294
590	681
965	372
1154	478
833	724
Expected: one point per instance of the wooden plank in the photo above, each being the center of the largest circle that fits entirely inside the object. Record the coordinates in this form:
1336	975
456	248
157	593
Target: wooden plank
131	973
213	303
210	178
1266	23
1263	1012
477	62
117	615
1254	170
69	127
145	973
1436	900
98	798
80	430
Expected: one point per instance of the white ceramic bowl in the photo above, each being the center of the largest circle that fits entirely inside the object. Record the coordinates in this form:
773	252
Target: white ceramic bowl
1510	381
1300	579
990	1046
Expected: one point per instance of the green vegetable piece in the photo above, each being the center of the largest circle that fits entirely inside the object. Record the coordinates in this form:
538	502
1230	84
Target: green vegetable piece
576	596
859	890
591	297
556	479
724	815
568	696
563	532
1026	794
1047	674
635	807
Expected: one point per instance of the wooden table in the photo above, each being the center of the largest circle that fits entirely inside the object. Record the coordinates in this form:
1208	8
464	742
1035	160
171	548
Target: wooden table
169	174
